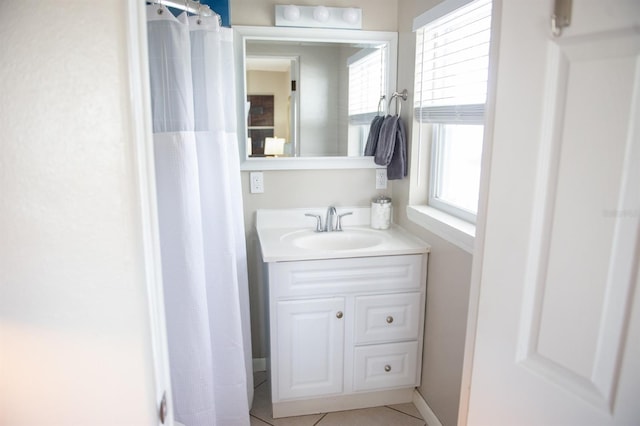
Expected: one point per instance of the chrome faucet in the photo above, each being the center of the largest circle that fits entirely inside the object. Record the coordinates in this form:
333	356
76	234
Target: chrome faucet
332	221
328	222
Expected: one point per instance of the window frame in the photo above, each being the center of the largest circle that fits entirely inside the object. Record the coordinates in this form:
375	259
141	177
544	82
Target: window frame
436	139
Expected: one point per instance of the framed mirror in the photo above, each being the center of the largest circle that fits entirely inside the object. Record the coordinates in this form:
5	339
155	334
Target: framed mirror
306	97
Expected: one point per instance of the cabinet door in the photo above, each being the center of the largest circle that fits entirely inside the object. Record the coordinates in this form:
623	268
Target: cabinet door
310	345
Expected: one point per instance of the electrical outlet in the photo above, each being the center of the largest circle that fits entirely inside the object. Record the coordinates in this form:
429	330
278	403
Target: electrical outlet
381	178
257	182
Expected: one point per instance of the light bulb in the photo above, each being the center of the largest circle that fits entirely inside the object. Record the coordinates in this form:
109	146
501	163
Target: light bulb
350	15
321	14
291	13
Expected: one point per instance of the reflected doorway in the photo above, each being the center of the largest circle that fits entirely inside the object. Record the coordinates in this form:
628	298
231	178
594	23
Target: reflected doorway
272	98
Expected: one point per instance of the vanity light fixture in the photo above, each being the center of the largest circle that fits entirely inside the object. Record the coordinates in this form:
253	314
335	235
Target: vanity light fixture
318	17
351	15
291	13
321	14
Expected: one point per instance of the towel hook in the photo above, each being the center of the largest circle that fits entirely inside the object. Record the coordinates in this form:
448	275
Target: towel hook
398	95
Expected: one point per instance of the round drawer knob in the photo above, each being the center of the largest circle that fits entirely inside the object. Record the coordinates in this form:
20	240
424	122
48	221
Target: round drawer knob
389	319
387	368
339	314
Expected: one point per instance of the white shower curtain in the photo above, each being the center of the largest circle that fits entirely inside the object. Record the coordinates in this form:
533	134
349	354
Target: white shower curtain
201	220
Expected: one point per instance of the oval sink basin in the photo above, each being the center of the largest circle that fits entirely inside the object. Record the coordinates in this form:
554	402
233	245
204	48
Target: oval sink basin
350	239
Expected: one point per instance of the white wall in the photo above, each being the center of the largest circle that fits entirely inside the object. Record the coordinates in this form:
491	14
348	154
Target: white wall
449	273
318	82
74	328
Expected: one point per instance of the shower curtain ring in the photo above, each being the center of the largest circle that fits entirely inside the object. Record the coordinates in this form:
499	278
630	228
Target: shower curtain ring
199	21
160	11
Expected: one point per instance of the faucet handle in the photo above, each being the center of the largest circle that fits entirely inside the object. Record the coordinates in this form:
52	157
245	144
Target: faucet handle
339	221
319	221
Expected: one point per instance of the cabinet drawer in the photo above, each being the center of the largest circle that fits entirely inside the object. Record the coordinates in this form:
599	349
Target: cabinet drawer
385	366
329	277
387	318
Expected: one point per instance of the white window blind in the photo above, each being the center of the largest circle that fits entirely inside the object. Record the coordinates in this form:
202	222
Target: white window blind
452	60
366	84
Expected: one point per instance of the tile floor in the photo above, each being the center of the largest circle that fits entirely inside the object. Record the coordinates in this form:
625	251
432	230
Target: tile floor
391	415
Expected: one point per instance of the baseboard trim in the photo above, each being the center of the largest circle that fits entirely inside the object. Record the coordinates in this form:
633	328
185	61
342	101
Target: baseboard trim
259	364
301	407
425	411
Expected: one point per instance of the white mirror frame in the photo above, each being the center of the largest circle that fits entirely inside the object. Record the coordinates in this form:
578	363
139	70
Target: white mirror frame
244	33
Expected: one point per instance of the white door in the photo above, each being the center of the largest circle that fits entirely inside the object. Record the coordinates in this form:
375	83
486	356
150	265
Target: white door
557	340
310	336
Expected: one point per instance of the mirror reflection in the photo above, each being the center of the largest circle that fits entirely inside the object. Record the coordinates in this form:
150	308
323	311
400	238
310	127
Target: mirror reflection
272	104
307	98
312	99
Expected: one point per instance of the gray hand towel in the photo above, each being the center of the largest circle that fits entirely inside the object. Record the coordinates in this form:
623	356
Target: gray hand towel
397	168
392	147
386	140
374	134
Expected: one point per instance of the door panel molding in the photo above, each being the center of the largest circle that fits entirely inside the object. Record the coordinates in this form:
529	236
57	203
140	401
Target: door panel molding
593	379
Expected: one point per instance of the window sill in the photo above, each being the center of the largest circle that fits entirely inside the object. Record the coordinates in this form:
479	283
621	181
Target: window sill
450	228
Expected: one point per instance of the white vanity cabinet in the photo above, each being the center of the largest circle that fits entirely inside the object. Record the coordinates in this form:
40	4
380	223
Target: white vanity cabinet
345	333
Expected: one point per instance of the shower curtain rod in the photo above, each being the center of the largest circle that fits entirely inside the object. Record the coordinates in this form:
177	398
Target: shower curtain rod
190	6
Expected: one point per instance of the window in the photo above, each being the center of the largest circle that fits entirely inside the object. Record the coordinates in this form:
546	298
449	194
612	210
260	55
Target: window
452	59
367	83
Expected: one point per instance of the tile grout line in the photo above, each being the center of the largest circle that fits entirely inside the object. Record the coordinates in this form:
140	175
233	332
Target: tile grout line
323	415
406	414
262	420
320	419
257	417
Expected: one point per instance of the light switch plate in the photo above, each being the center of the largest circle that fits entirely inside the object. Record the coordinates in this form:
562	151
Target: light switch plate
257	182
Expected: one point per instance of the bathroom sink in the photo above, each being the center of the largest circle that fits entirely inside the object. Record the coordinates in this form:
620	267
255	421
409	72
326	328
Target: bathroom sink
348	239
289	235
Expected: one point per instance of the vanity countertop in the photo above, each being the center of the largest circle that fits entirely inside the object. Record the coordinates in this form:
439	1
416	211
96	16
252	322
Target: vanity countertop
288	235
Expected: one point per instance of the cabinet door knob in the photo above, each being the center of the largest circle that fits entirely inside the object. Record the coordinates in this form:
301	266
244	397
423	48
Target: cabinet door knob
389	319
387	368
339	314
